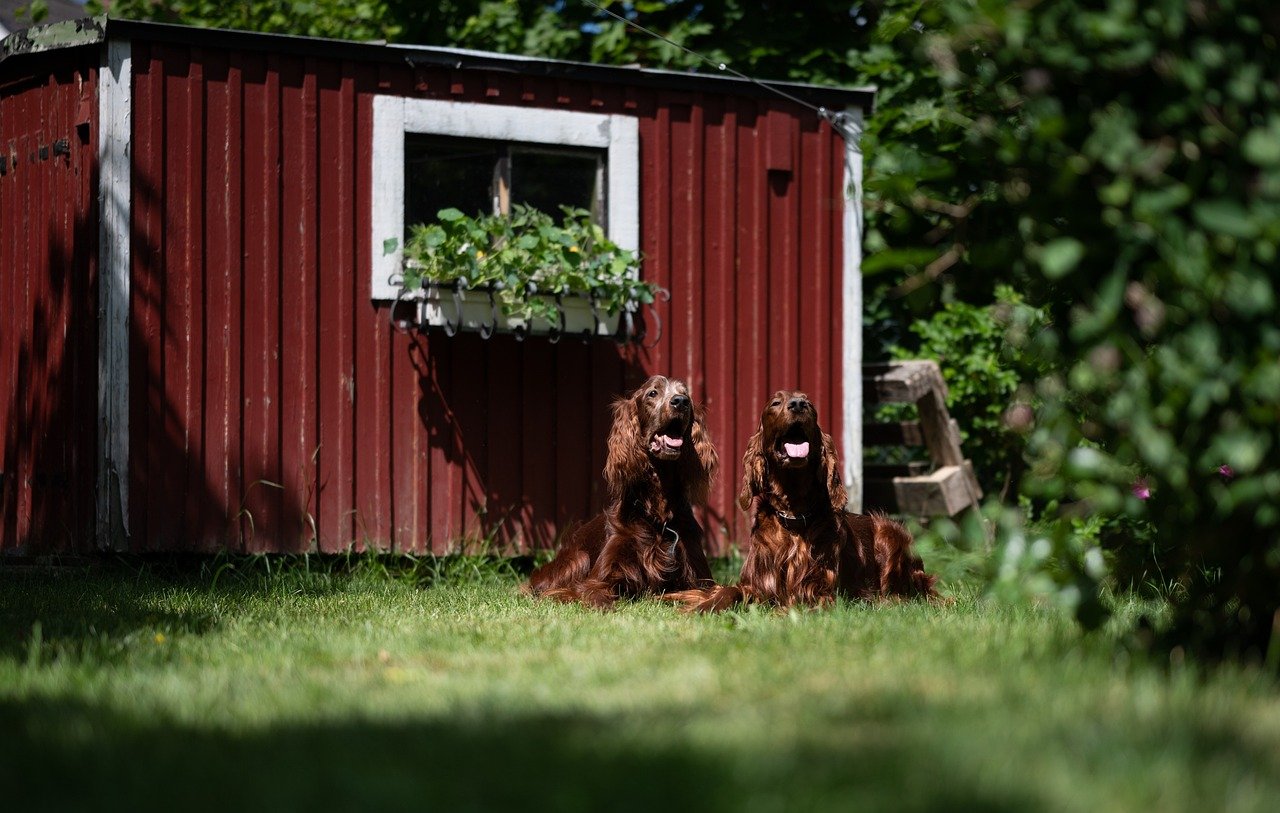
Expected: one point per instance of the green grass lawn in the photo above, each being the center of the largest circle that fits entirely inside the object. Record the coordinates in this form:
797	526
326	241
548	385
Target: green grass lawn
159	687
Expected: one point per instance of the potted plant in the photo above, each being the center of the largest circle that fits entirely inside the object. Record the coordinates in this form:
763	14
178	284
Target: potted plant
523	273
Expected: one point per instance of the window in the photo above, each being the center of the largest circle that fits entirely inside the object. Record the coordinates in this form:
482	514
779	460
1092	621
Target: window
489	177
484	158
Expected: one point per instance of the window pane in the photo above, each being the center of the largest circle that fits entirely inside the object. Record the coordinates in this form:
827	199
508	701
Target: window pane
444	172
549	180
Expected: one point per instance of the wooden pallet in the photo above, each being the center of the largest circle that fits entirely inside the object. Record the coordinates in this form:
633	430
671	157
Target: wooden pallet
945	486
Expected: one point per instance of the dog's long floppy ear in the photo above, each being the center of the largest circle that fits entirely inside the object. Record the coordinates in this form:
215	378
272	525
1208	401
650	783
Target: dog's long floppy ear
698	469
753	464
832	475
626	459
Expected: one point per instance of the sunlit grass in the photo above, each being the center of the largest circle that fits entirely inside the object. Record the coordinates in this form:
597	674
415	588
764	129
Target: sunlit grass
436	685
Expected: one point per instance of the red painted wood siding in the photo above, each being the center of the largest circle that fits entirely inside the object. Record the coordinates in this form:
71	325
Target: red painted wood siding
48	299
274	407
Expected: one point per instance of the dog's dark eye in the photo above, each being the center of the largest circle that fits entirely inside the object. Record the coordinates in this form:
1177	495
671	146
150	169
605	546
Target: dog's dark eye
777	402
653	393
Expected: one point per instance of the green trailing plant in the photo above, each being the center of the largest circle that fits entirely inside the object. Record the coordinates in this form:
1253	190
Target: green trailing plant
526	259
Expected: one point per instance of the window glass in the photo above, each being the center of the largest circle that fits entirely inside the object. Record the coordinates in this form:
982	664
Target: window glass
487	177
548	180
444	172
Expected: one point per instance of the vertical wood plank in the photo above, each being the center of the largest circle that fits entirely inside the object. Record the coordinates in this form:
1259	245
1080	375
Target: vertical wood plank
572	422
752	290
261	342
373	345
441	431
223	163
505	453
538	452
718	259
301	245
469	407
145	302
330	246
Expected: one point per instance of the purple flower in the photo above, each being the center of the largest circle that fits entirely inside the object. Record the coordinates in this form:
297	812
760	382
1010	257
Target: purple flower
1226	471
1140	489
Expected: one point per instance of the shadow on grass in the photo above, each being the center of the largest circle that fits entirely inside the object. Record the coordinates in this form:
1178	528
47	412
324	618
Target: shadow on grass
79	610
72	756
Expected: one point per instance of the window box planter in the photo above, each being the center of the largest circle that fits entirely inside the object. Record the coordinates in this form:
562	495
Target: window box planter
522	274
454	308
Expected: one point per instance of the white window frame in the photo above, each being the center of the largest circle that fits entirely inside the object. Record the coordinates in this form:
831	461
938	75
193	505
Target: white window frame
393	116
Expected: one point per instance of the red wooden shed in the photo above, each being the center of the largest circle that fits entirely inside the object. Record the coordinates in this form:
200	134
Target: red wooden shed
197	351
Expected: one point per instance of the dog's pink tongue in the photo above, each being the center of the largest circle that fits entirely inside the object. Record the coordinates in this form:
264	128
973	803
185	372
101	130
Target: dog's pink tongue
797	449
674	443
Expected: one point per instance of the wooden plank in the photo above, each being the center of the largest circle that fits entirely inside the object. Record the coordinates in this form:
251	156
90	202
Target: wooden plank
685	212
170	445
819	277
572	428
941	493
719	325
85	258
782	276
10	208
329	108
199	523
752	386
538	450
145	302
303	442
655	214
222	278
373	344
469	412
445	473
899	382
261	342
31	369
505	395
607	383
408	447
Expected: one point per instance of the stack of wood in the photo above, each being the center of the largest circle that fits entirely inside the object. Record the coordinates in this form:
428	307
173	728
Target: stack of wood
943	486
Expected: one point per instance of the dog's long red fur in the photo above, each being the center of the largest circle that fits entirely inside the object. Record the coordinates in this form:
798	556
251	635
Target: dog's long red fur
647	540
805	548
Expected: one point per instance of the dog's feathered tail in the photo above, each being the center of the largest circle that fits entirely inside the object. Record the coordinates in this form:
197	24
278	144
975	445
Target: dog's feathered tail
714	599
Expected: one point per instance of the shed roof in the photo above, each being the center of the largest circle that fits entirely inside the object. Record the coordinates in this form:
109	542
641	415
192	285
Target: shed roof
93	30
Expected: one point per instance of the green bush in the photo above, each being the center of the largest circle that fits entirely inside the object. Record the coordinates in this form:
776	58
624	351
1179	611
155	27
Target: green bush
981	351
1144	178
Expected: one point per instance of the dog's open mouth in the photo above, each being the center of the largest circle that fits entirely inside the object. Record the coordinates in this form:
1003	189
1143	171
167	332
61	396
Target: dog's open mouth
793	446
668	441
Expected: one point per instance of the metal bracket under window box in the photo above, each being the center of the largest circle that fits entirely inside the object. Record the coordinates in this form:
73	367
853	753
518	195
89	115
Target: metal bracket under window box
455	307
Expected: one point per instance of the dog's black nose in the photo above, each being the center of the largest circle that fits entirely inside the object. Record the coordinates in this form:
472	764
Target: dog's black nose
679	401
797	405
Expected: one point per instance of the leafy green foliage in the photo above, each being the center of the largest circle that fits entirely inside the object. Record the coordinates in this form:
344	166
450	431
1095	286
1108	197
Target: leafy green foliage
981	351
527	258
1146	188
34	12
338	19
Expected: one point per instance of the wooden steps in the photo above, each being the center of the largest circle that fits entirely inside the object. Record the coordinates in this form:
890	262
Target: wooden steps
943	487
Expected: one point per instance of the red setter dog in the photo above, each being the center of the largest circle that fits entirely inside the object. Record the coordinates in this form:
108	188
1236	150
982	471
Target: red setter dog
805	548
659	466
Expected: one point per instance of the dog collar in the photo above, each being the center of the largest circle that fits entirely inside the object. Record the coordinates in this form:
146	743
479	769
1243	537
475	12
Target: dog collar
791	521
